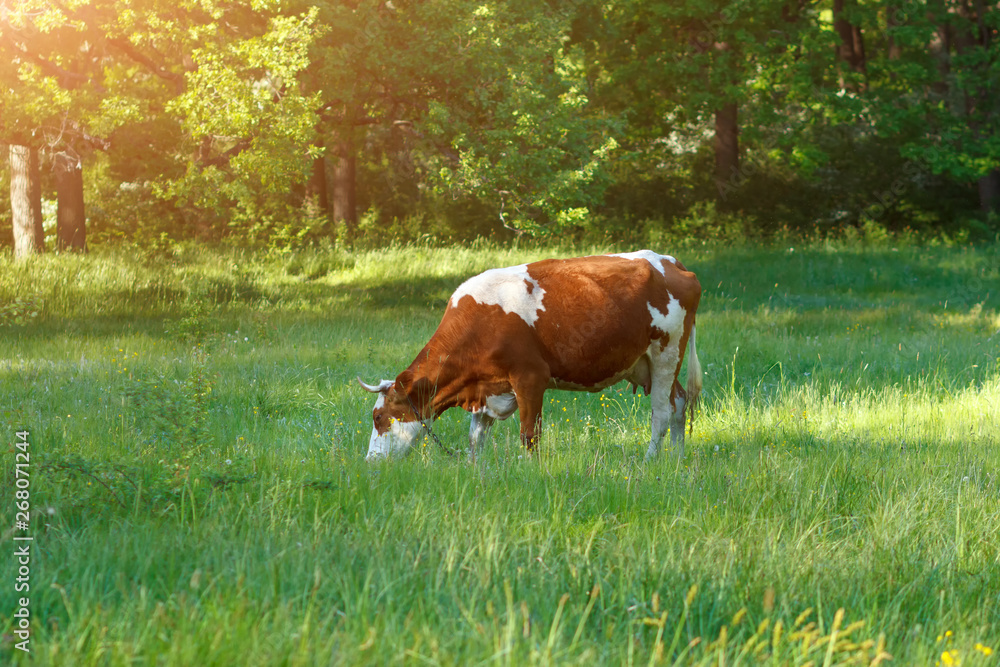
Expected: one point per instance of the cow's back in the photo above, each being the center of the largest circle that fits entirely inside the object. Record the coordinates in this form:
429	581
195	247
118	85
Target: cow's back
587	319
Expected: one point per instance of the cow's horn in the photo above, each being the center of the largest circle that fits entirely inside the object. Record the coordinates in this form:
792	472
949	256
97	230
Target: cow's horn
379	388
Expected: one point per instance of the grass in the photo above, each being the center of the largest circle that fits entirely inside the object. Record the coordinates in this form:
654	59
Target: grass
199	493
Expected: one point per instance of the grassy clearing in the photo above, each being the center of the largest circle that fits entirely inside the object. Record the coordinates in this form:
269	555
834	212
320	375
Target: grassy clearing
200	495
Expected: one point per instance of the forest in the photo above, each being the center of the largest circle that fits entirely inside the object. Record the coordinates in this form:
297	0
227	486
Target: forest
356	123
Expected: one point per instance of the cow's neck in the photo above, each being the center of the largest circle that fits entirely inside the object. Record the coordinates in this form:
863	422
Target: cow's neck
430	386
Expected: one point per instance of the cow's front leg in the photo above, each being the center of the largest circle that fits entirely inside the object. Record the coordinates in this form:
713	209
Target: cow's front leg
530	392
478	429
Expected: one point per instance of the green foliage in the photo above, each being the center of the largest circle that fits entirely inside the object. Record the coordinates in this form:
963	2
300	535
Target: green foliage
19	311
704	223
203	120
525	140
246	99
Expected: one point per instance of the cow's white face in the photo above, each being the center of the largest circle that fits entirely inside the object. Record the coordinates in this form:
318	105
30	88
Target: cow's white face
394	440
394	426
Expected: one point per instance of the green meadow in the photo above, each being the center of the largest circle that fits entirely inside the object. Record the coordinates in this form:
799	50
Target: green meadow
199	494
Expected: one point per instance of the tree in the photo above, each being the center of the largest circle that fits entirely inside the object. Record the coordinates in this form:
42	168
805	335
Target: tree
248	126
377	71
262	117
71	228
53	88
977	59
851	49
525	136
26	201
938	95
212	87
687	76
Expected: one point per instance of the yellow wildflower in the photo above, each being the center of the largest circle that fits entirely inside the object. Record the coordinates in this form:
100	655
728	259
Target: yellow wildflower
950	659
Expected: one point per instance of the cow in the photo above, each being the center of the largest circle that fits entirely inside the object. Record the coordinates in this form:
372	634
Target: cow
581	324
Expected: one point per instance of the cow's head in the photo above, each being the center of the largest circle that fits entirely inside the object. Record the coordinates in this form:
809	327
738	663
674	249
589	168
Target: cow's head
395	426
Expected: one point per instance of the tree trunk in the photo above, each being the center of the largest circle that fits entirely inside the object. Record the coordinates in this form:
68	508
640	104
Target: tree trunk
26	201
71	223
940	48
893	20
317	195
986	103
979	93
345	187
852	45
727	148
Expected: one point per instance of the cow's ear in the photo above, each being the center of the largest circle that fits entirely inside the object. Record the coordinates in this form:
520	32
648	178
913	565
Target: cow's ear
404	380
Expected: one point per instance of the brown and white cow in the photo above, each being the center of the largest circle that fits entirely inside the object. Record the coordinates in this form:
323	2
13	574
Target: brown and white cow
584	324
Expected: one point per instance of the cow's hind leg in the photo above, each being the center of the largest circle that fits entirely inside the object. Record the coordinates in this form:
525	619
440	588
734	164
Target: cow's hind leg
667	397
678	404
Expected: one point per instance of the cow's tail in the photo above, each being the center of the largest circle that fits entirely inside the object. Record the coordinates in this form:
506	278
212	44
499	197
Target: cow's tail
693	388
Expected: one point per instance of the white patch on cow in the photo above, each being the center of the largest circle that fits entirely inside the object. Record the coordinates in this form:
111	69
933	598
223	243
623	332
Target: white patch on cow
672	322
655	259
501	407
507	288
